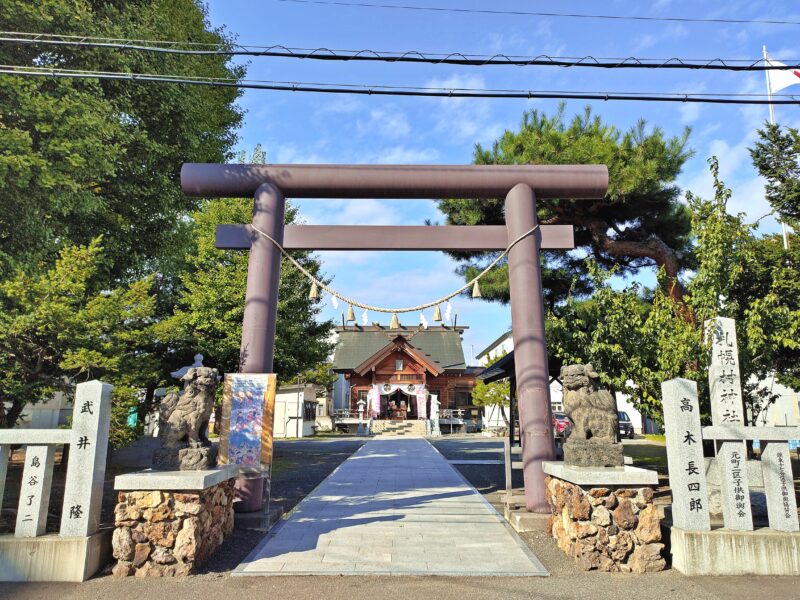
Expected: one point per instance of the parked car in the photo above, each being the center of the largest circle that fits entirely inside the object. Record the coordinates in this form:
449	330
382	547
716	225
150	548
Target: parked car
625	425
562	426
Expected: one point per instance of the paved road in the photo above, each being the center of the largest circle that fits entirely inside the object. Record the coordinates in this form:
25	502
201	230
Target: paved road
395	507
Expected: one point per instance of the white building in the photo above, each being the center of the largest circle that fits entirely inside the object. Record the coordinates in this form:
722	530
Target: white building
785	411
500	347
296	408
46	414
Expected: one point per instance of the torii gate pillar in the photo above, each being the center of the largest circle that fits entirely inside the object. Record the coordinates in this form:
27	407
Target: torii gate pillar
263	277
530	347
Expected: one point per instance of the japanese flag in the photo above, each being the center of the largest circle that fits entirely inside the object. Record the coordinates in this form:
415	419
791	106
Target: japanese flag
781	78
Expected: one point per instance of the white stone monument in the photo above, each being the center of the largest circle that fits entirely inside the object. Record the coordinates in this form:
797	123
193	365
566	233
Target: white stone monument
79	550
776	464
91	417
727	408
37	475
435	431
685	455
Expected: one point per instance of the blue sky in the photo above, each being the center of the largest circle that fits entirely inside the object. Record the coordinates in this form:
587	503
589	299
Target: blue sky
326	128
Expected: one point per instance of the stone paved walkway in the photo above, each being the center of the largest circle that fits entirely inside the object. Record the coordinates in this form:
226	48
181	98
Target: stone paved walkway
395	507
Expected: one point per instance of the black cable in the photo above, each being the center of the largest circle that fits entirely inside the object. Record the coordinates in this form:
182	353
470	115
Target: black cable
525	13
362	89
413	56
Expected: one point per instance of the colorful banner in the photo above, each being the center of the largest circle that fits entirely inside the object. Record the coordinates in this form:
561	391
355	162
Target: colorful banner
248	408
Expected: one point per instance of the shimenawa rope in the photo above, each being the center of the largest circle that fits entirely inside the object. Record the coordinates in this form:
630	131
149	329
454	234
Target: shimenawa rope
380	309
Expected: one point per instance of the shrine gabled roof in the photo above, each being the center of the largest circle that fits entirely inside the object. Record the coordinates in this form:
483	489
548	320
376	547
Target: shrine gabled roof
440	345
400	343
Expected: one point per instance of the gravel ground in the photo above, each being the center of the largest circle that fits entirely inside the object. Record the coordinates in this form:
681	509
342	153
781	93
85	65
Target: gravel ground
301	465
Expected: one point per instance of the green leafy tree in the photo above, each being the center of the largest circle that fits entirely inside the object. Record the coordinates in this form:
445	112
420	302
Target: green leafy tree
81	158
320	374
769	302
208	318
55	331
486	394
639	223
777	157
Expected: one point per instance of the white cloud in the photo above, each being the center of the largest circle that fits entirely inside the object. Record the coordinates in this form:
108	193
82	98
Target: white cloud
340	105
670	33
350	212
464	119
690	111
388	122
402	155
332	259
396	155
540	39
292	154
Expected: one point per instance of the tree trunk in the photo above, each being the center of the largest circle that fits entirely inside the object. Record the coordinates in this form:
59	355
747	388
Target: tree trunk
652	247
9	416
649	246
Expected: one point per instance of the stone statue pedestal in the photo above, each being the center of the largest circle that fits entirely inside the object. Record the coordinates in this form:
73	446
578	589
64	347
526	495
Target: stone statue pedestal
605	517
185	459
588	453
168	523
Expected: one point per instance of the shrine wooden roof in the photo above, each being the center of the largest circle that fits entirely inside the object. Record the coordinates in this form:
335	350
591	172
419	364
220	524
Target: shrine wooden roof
438	345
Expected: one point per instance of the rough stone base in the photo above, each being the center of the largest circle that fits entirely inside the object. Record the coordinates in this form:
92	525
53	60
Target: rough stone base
586	453
185	459
726	552
162	534
605	529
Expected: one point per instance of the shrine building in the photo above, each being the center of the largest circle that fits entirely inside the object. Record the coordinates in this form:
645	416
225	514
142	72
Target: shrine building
396	373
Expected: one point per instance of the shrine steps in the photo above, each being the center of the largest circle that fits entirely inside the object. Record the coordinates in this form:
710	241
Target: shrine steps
398	428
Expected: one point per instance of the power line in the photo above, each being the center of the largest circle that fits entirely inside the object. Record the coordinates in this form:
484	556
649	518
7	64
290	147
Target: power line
388	90
412	56
525	13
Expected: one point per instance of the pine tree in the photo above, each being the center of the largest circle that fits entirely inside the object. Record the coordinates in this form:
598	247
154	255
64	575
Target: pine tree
639	223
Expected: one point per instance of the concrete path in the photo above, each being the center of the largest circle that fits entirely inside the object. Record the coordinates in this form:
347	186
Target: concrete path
396	507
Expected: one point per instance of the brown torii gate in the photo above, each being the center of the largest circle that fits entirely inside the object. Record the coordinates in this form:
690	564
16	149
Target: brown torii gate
519	184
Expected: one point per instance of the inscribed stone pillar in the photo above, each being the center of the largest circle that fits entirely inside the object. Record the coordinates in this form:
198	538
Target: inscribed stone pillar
776	464
530	347
687	477
727	407
34	494
83	495
724	378
435	431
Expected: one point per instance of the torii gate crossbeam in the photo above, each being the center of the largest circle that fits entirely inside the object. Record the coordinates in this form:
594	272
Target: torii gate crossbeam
519	184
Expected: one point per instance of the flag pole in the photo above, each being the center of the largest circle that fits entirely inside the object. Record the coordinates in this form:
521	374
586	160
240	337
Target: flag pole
769	88
772	122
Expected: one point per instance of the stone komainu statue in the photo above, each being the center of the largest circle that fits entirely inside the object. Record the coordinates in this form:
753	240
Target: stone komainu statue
183	423
593	412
